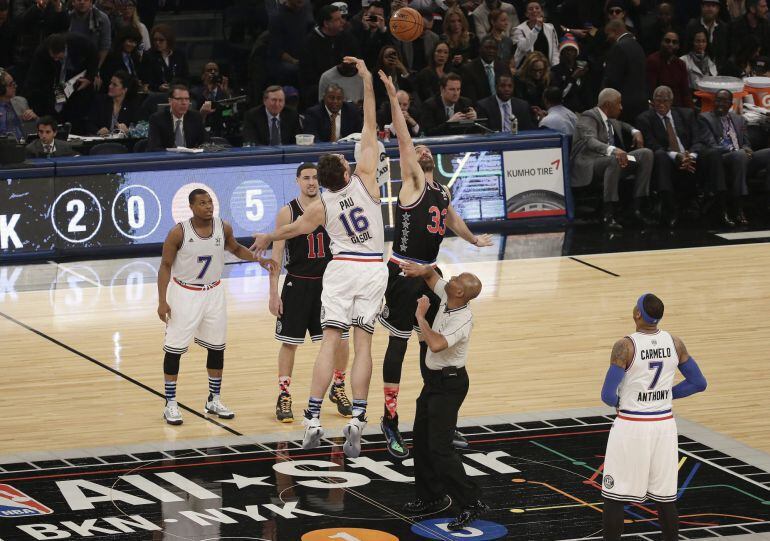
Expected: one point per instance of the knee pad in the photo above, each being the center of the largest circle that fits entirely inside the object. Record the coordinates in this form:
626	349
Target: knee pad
215	359
171	363
394	358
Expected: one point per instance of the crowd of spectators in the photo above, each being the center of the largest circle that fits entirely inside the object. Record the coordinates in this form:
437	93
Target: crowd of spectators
617	76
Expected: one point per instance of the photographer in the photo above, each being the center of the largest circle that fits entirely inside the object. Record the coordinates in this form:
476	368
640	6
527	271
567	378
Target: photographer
371	31
214	87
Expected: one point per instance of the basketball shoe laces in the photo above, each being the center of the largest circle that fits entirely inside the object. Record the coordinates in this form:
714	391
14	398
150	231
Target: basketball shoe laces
284	404
338	392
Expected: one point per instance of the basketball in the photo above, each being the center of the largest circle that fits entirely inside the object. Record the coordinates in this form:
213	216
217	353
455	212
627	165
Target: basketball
406	24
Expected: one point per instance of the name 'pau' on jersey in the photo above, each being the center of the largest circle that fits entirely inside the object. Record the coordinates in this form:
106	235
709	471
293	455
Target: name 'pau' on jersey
306	255
421	226
645	392
354	220
200	260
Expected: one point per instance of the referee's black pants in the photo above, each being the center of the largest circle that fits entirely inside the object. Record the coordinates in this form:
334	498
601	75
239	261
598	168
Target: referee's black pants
438	469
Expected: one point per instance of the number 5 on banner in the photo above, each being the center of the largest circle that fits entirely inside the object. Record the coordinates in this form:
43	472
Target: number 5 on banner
254	202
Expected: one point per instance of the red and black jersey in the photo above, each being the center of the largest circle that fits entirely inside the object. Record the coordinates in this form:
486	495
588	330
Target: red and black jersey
420	227
306	255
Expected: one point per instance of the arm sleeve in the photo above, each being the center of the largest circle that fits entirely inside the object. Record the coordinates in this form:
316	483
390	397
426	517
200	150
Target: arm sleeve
694	381
438	289
463	332
612	381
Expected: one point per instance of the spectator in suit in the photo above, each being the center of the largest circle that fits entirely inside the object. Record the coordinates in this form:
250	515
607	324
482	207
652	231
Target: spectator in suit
599	151
664	68
725	131
717	32
479	74
333	118
571	76
481	17
428	79
536	35
679	154
46	145
177	127
124	55
38	20
624	70
754	23
163	65
385	118
118	109
698	61
448	106
16	117
415	54
652	33
463	44
214	87
271	123
559	118
500	108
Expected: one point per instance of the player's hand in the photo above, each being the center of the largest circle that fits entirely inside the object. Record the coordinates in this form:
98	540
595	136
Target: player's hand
483	240
164	311
261	242
266	263
363	71
411	269
423	303
275	306
388	82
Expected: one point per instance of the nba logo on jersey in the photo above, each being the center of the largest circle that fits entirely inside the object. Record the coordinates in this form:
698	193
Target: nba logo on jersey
14	503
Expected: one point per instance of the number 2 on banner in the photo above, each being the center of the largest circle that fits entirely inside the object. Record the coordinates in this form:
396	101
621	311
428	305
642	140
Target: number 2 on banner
254	202
206	260
79	208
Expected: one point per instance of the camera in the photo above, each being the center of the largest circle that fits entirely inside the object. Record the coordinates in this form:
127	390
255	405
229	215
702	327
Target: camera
371	18
216	79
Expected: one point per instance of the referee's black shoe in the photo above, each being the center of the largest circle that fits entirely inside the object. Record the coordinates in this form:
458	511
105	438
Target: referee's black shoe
395	441
424	507
468	515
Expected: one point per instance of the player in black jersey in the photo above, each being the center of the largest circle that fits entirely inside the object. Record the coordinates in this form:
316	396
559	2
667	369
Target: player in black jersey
423	214
298	308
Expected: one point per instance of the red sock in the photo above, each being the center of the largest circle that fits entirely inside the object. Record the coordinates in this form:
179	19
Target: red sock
339	377
283	383
391	401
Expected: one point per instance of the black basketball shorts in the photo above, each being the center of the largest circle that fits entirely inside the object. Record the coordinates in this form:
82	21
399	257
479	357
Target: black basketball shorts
401	302
301	299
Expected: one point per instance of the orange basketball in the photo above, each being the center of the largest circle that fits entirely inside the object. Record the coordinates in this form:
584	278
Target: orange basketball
406	24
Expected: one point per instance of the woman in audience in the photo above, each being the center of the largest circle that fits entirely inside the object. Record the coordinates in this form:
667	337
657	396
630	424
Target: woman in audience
535	34
129	17
390	62
532	78
162	64
116	111
463	45
427	81
741	64
698	61
498	29
124	55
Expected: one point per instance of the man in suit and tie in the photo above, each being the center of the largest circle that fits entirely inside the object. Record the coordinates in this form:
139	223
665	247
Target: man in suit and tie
624	69
448	106
725	131
500	108
272	123
479	74
599	151
334	118
46	145
679	153
177	127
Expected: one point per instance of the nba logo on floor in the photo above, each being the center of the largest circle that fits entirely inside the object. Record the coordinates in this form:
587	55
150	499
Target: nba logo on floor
14	503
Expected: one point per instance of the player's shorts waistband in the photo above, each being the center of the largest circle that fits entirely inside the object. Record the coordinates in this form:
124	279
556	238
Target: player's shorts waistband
645	415
398	258
362	257
197	287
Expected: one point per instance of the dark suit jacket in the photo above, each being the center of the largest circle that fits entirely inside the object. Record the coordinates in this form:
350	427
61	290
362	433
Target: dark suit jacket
318	123
161	134
114	62
155	72
488	108
591	141
433	121
255	128
624	70
656	137
101	113
710	130
475	84
63	148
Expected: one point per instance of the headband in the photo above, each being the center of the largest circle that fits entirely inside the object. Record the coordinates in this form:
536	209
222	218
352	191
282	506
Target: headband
645	316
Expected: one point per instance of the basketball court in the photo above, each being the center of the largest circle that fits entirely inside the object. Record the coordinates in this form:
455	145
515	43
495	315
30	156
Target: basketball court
87	454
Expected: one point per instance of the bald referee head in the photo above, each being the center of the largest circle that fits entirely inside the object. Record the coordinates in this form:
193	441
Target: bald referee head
464	287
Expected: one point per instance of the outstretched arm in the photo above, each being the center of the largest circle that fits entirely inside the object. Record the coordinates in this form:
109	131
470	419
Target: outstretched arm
314	216
622	354
366	167
460	228
426	272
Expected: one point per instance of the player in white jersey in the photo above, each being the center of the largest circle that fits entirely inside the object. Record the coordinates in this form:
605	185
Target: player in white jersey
355	279
190	300
641	459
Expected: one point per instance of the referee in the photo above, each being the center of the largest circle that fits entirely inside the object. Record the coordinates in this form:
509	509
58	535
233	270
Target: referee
438	469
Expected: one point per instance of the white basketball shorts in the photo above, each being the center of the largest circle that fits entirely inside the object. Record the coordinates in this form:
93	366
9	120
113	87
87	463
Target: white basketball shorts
199	314
352	294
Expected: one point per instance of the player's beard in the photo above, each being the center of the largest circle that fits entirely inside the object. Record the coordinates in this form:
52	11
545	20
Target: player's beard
426	163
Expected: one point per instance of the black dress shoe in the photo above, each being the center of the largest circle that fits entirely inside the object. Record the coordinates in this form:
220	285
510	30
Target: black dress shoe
423	507
468	515
610	222
643	219
725	219
458	440
671	220
741	219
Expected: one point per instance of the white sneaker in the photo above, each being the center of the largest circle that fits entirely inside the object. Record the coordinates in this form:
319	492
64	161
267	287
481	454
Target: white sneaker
171	414
352	433
215	406
313	431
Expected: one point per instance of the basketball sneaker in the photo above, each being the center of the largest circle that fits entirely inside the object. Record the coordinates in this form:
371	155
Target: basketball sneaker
215	407
352	433
313	431
171	414
337	396
283	411
396	445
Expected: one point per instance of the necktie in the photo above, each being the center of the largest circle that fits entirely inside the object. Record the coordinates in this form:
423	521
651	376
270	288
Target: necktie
506	117
610	134
728	133
333	132
275	136
178	135
673	144
490	77
449	112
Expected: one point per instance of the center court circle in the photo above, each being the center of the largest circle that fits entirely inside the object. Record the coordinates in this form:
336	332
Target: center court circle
348	534
479	530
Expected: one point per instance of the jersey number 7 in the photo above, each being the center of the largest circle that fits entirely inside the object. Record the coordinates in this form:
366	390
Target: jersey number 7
657	366
206	260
